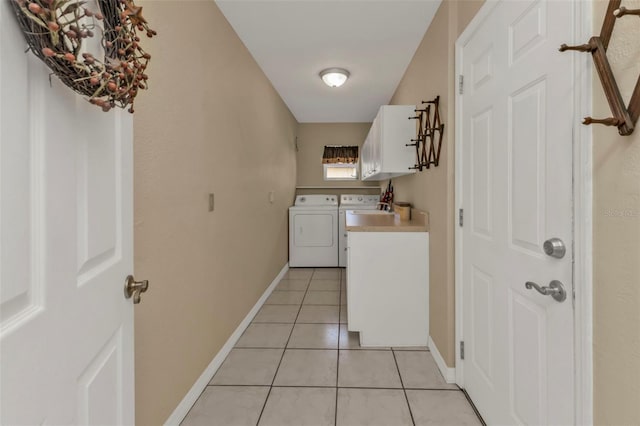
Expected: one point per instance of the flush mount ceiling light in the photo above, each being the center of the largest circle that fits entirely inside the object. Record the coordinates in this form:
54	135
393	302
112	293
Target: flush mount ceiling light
334	77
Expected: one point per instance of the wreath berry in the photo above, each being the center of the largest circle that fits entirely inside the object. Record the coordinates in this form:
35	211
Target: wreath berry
56	30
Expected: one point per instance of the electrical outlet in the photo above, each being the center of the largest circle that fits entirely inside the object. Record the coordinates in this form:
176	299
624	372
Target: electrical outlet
211	204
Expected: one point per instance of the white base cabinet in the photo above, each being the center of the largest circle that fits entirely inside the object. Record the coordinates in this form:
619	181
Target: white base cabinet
388	288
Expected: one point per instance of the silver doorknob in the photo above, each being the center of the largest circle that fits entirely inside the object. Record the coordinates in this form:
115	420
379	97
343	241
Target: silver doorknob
554	247
134	288
555	290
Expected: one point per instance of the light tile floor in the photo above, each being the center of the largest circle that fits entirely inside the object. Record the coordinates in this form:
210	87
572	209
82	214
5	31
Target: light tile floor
297	364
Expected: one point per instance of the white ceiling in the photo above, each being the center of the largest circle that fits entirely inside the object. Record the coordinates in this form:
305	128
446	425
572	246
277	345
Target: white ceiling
293	40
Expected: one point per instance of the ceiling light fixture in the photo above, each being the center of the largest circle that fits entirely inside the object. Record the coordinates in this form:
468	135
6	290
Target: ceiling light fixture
334	77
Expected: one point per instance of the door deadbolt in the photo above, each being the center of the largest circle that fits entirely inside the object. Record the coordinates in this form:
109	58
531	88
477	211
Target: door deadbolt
134	288
554	247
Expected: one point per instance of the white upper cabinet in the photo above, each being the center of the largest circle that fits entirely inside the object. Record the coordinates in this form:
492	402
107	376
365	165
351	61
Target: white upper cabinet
384	153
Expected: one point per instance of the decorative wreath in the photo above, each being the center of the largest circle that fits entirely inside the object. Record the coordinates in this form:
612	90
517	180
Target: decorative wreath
56	29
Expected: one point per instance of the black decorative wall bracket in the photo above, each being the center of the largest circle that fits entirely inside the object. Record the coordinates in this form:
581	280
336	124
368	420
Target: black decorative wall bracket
624	117
429	130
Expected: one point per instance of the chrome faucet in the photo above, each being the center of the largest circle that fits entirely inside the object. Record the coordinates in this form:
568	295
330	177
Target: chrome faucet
386	206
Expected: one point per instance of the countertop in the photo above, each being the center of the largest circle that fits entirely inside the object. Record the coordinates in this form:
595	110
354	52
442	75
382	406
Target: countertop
387	222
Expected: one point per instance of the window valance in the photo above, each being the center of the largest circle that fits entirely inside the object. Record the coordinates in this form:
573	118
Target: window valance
340	154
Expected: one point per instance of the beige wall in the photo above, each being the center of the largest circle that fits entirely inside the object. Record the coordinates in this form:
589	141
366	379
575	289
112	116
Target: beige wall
211	122
616	237
312	137
431	73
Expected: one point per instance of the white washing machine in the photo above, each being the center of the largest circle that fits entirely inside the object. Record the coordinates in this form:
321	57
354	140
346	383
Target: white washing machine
313	231
351	202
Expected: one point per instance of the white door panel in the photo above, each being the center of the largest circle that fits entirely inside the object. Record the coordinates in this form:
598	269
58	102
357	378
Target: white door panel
66	226
516	136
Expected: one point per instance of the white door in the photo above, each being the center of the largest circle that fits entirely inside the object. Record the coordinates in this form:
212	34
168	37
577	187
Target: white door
516	117
66	329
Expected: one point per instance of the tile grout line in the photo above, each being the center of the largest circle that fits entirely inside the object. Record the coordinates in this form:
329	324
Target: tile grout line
301	291
284	350
403	389
325	348
333	387
310	349
306	323
306	304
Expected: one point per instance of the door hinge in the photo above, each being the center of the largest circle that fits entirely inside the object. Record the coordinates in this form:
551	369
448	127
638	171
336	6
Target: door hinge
461	84
461	350
461	217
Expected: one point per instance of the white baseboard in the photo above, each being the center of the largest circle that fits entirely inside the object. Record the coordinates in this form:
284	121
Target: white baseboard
191	397
448	373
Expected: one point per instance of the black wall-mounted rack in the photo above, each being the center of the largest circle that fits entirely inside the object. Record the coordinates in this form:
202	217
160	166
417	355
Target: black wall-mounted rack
429	130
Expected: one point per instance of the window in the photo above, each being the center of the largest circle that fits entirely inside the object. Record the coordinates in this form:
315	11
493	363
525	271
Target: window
339	171
340	162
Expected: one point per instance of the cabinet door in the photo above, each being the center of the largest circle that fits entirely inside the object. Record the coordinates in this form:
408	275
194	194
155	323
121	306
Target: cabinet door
388	287
367	160
364	160
351	280
396	131
376	128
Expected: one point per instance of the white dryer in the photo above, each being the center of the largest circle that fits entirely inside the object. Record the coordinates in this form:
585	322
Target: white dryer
313	231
